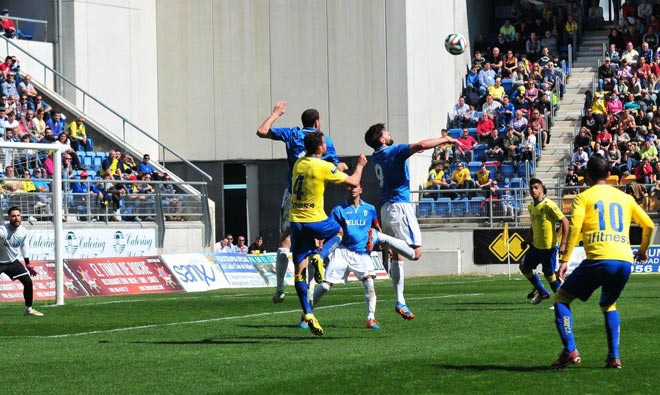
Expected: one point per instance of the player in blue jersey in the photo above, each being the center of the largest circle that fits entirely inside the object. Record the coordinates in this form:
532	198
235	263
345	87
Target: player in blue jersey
357	219
309	222
293	139
601	215
397	214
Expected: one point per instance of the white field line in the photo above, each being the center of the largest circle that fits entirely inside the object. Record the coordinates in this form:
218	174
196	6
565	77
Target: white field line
132	328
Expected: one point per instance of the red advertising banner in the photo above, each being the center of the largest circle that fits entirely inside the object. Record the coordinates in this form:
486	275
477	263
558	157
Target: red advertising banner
124	275
43	282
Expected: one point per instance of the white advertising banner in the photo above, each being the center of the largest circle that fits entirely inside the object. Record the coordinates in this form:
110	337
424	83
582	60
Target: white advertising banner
196	272
93	243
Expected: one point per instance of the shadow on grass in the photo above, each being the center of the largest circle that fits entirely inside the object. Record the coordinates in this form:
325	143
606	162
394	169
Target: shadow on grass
503	368
233	340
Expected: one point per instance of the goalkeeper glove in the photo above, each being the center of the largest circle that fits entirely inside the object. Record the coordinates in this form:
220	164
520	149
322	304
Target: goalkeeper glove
31	269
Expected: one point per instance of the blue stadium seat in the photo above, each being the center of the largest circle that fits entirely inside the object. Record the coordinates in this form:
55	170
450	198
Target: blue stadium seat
459	207
474	206
474	166
479	152
455	133
97	162
507	170
443	207
473	131
507	84
425	207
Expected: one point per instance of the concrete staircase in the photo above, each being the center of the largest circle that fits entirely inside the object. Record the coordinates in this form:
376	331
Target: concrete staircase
550	168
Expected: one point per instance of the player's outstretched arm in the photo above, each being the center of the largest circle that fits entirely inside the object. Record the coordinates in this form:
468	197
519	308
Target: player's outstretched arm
264	129
354	179
432	143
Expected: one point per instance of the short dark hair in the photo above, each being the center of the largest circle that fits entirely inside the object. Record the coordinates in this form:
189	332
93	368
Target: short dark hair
533	181
13	208
309	117
597	168
313	141
373	135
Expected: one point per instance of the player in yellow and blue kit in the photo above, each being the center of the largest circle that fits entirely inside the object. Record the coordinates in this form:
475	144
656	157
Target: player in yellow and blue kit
359	223
602	215
292	137
543	248
309	221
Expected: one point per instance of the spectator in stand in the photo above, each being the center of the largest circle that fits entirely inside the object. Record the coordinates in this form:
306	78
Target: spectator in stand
521	103
595	14
40	104
626	122
614	105
26	88
633	35
505	113
642	73
599	108
446	150
6	67
545	57
490	108
79	139
241	246
485	178
128	165
145	167
63	140
472	78
549	41
630	158
509	64
646	52
56	123
579	161
10	183
461	114
537	122
111	165
257	246
512	143
598	150
533	47
614	55
570	28
495	58
171	203
508	30
644	173
9	85
436	180
583	140
519	77
484	128
7	24
463	150
497	91
48	136
646	104
606	76
519	123
478	60
531	91
83	194
495	146
621	139
644	10
649	151
571	181
614	159
461	179
10	122
112	194
38	126
486	78
630	54
604	138
518	45
222	246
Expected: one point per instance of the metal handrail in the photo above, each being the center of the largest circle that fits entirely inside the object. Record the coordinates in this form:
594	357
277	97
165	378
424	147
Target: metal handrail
29	20
103	105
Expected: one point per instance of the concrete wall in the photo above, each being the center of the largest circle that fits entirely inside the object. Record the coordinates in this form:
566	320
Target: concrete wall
110	51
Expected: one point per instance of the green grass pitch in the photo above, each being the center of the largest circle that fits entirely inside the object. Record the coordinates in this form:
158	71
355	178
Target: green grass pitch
472	335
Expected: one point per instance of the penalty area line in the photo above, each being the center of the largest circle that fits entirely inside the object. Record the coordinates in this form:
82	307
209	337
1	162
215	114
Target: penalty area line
210	320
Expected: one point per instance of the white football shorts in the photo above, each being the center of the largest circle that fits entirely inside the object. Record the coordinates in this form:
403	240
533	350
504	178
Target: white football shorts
343	261
399	220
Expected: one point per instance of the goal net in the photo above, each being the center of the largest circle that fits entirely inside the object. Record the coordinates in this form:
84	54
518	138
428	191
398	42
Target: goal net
32	180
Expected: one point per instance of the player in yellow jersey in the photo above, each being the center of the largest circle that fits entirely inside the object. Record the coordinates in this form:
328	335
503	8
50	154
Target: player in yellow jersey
308	219
543	247
601	215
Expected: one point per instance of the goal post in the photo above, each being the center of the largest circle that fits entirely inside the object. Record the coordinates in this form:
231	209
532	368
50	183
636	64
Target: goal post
29	156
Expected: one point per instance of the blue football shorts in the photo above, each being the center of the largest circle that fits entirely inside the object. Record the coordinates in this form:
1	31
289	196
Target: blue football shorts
305	234
611	274
547	259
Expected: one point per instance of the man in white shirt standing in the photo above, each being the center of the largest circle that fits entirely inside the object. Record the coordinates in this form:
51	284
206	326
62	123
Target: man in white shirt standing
13	240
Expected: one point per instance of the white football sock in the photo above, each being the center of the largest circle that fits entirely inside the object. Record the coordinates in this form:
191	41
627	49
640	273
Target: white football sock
319	292
397	245
370	297
396	272
281	264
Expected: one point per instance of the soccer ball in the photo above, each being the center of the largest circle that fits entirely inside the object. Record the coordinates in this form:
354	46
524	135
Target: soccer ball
455	44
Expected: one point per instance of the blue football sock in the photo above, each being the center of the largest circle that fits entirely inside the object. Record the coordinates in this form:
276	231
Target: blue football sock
612	327
564	323
301	290
329	245
536	282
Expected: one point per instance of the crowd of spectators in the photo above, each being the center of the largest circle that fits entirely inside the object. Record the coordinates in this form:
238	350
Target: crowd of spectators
621	121
226	245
